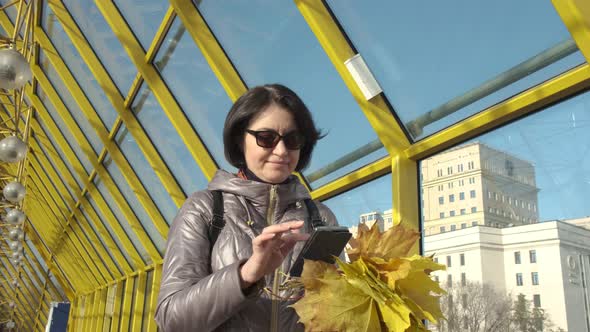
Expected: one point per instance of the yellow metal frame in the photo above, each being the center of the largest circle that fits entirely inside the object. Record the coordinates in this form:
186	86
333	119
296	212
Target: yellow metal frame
575	14
158	87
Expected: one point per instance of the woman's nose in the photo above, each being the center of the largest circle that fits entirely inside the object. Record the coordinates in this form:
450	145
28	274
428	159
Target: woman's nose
280	149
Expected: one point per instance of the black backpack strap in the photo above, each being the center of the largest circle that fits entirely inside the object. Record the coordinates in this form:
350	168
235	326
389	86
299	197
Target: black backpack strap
314	213
217	221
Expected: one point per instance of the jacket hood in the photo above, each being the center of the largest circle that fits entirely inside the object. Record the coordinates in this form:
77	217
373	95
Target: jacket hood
258	192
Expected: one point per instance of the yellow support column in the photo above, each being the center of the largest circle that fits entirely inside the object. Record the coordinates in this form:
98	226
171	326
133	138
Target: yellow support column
575	14
137	310
117	306
126	313
153	299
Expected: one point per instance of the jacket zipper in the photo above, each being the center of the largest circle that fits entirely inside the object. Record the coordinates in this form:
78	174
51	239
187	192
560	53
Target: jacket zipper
274	317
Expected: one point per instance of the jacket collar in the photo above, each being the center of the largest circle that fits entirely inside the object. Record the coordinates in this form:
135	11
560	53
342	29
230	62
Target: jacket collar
258	192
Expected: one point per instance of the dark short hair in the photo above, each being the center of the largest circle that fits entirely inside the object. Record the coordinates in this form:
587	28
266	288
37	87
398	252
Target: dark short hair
256	100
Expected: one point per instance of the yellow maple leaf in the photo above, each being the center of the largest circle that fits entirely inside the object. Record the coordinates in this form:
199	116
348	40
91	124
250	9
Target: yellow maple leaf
343	306
393	243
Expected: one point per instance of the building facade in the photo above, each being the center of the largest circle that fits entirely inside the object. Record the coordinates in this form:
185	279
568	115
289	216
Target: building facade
548	262
477	185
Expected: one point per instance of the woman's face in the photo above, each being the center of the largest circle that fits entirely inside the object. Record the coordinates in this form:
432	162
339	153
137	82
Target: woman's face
272	165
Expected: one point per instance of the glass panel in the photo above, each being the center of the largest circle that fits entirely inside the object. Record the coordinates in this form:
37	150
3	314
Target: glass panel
262	55
146	304
84	219
38	289
167	141
143	17
73	143
490	52
48	156
368	203
104	42
118	244
69	101
531	179
134	203
146	173
120	218
60	153
71	57
205	103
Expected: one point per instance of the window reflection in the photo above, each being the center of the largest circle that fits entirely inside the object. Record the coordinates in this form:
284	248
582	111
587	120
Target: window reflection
369	203
199	93
71	105
85	220
143	17
455	60
531	183
105	44
146	173
121	219
167	141
262	55
134	203
77	66
60	153
73	143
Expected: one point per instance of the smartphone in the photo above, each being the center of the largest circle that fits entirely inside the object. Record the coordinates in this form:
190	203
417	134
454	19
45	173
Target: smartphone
324	243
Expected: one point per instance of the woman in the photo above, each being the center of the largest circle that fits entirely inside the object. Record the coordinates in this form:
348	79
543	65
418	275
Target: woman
268	134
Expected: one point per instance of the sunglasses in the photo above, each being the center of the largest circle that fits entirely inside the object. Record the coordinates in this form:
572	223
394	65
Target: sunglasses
269	139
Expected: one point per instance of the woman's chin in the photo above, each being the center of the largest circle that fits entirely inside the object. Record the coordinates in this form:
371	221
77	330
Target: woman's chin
276	176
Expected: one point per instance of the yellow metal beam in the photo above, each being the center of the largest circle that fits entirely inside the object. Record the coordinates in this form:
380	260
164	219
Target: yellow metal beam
125	316
93	118
117	306
575	14
336	46
529	101
137	310
158	88
112	93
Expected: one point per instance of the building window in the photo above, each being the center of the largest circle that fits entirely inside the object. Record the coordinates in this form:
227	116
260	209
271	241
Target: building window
537	300
449	261
519	279
489	194
451	198
496	196
453	228
442	229
462	211
462	259
509	200
516	202
460	168
449	281
535	278
436	260
529	206
533	256
436	278
441	200
452	213
461	182
472	194
461	196
470	165
490	210
440	187
473	209
509	166
463	279
474	223
503	198
449	170
471	180
463	225
442	215
450	185
517	257
439	172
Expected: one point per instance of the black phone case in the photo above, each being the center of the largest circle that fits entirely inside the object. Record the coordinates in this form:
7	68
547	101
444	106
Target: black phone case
324	243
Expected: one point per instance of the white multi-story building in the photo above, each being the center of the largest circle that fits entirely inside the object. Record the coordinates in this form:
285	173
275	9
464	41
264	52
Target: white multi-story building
548	262
473	185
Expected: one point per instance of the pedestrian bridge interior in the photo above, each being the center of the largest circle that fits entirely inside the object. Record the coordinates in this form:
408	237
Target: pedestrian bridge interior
121	103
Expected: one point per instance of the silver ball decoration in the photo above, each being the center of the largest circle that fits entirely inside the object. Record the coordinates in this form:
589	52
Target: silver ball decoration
14	192
12	149
10	325
15	71
11	304
15	216
16	255
15	245
15	234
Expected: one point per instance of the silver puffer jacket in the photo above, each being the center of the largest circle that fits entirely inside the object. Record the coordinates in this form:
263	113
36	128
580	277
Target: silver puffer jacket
200	289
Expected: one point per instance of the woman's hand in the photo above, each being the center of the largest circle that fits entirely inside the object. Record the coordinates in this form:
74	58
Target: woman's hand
269	249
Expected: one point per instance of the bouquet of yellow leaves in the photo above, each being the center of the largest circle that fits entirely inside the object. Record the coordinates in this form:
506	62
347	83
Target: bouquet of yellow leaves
380	289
